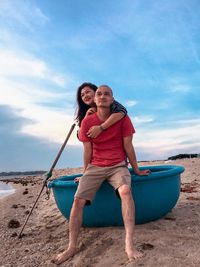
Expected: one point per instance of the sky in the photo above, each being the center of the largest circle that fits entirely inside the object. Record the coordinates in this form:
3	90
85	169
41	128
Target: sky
148	52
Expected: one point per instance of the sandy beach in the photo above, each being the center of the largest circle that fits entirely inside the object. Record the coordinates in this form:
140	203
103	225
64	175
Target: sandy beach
169	241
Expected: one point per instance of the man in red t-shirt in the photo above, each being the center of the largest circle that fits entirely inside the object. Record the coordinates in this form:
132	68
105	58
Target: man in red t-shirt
107	148
105	159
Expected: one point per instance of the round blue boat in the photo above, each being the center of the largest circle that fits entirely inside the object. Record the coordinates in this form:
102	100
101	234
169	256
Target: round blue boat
155	195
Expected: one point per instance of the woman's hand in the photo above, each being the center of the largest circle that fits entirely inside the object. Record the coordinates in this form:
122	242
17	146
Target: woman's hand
94	131
90	111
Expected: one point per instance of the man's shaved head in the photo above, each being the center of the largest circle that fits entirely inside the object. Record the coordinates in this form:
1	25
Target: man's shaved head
106	86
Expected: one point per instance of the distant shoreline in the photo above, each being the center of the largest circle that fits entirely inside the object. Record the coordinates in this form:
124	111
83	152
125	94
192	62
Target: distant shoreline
40	172
13	173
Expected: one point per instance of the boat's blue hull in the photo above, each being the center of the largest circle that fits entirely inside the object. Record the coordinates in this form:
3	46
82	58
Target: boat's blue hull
154	195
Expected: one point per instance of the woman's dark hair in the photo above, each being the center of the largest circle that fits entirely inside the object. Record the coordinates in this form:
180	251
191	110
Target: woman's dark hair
81	106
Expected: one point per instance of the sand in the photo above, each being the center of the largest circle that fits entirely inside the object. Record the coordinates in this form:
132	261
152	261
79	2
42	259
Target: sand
170	241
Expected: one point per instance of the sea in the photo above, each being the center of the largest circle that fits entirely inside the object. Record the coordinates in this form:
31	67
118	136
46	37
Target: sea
6	189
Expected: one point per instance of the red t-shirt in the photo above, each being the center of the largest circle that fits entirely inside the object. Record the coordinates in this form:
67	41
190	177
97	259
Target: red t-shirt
107	148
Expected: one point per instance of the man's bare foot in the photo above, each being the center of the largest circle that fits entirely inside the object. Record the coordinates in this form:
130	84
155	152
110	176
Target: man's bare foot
133	254
65	255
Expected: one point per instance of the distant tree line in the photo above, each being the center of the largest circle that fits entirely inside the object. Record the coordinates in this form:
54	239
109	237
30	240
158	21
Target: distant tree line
21	173
184	156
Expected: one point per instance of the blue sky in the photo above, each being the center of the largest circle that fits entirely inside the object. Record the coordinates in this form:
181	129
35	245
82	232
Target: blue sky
147	51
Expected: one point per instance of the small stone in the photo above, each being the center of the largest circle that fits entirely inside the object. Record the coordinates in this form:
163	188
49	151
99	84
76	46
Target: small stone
25	192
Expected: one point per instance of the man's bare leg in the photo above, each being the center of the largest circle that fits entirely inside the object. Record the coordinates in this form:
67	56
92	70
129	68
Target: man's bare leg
128	213
75	222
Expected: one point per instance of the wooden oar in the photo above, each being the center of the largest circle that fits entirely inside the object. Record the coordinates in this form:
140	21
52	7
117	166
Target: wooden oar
47	176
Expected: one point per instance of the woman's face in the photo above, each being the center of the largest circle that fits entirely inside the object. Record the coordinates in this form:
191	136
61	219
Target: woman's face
87	95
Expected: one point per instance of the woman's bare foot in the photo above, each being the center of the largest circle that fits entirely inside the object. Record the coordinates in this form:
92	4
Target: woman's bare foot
133	253
65	255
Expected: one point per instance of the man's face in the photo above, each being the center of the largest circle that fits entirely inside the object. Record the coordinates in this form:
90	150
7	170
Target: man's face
103	97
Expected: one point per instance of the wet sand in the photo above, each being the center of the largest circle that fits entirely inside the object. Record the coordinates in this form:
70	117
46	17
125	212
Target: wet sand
170	241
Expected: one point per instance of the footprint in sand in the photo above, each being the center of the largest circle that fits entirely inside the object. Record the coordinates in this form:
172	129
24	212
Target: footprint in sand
146	246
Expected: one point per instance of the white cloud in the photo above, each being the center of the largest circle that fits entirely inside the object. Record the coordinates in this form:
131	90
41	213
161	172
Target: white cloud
22	94
142	119
21	89
46	122
180	88
59	80
49	125
22	13
28	85
131	103
16	64
182	136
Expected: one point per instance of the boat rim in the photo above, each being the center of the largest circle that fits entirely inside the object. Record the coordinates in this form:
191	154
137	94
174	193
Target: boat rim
157	172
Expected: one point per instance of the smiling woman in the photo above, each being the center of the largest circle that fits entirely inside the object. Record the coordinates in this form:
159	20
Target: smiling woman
86	106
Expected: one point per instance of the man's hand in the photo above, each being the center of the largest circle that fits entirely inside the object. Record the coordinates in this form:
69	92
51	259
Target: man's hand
76	180
94	131
91	111
144	172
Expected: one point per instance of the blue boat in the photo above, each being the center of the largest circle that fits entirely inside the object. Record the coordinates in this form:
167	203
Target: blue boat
155	195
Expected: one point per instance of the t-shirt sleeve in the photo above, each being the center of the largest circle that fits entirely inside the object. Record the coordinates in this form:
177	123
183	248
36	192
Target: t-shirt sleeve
82	134
117	107
128	128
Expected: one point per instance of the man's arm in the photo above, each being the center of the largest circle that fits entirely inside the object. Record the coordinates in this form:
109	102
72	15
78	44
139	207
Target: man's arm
87	154
130	152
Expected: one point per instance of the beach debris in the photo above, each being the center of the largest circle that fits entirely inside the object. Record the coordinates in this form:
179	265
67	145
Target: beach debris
189	187
14	206
184	156
170	218
27	212
146	246
14	234
25	192
193	198
13	223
